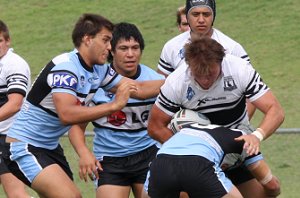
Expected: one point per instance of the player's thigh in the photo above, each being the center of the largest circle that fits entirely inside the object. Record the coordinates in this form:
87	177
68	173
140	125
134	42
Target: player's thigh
12	186
233	193
137	190
52	181
247	191
113	191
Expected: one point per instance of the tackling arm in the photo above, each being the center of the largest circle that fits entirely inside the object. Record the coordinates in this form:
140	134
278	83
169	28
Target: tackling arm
70	111
144	89
158	125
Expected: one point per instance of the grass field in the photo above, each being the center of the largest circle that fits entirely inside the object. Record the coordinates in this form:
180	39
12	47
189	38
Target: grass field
269	31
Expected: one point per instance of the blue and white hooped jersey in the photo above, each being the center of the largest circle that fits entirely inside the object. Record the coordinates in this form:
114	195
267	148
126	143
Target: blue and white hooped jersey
124	132
224	103
172	54
215	143
14	78
38	123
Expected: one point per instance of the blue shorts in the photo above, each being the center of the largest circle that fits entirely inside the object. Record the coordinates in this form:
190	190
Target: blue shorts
26	161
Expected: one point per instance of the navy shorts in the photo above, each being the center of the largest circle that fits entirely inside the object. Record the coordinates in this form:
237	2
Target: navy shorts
3	144
28	161
199	177
239	175
125	171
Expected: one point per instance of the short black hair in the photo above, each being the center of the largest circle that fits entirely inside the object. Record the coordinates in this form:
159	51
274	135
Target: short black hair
125	31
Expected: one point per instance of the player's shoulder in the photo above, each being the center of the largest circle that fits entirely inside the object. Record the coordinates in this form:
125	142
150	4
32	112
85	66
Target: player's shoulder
14	58
223	39
67	61
178	41
146	70
181	74
235	64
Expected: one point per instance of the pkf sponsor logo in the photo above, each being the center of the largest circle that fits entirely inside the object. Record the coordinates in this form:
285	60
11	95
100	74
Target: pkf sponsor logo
63	80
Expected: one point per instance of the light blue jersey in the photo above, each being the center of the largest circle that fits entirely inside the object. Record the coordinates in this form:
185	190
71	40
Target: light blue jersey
211	143
38	123
124	132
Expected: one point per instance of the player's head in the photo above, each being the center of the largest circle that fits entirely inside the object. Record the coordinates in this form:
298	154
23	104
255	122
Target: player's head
185	117
181	20
126	31
4	39
211	4
127	46
4	30
89	25
204	57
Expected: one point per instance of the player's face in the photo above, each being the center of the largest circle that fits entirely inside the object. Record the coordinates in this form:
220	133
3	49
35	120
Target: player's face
200	20
184	25
206	81
100	47
126	57
4	45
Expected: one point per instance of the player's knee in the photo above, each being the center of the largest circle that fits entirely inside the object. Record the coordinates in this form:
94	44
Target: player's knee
273	187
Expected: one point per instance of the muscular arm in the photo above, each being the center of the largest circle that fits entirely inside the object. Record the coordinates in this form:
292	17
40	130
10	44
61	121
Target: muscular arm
273	113
273	117
158	125
12	106
250	109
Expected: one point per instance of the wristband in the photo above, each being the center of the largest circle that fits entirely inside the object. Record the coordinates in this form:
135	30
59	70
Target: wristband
258	134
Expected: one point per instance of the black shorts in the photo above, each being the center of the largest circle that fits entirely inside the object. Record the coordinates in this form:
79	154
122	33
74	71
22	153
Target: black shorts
199	177
125	171
3	144
32	157
239	175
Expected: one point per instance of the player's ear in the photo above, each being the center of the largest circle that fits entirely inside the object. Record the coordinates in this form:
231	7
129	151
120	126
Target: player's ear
86	40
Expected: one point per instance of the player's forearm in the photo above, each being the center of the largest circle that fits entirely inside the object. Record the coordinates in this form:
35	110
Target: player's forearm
81	114
148	89
77	138
272	120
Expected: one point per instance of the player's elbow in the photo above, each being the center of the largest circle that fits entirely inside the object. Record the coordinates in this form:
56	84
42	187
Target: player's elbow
65	119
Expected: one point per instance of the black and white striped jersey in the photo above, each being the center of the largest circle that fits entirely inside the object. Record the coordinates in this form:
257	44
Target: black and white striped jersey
14	78
224	103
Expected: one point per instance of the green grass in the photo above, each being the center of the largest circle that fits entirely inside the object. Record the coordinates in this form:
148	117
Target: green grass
268	30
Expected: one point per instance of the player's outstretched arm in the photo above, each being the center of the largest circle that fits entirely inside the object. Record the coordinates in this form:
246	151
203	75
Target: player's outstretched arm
144	89
71	111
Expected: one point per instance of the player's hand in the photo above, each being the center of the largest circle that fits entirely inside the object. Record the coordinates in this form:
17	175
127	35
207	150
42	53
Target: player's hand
89	166
251	145
123	93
